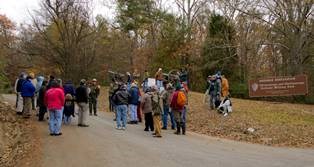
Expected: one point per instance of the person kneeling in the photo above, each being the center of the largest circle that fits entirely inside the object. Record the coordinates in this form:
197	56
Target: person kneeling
225	106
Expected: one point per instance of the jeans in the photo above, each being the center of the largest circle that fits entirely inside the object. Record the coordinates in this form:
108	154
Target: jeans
184	116
67	120
133	112
165	118
159	84
55	121
121	115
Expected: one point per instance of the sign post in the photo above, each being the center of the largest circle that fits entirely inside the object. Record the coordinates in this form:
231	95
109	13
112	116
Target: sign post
279	86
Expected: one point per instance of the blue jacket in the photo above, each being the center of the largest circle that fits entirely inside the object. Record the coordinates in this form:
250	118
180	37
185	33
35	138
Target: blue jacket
28	89
69	89
134	95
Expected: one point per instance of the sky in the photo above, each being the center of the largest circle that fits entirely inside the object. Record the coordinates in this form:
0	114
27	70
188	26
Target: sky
18	10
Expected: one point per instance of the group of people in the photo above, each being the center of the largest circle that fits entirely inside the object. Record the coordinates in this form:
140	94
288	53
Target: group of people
37	94
218	92
159	101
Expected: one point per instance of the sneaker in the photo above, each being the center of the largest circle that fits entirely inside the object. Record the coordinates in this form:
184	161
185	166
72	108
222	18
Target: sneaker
84	125
225	114
58	134
123	128
118	127
146	130
164	128
90	114
95	114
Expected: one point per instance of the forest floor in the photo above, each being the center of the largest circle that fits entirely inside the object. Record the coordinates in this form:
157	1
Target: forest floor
274	124
19	140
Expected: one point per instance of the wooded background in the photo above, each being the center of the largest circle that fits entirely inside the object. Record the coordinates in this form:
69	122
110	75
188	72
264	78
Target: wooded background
244	39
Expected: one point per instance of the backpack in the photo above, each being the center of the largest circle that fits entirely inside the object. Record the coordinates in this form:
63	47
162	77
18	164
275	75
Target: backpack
181	99
156	105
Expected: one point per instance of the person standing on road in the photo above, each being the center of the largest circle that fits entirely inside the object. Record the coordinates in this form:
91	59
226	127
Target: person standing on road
68	109
165	96
121	98
177	105
34	98
93	96
18	90
41	101
82	103
54	100
28	91
147	109
157	111
133	102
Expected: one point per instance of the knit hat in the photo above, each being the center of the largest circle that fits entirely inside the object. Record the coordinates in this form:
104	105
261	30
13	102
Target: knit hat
68	97
82	82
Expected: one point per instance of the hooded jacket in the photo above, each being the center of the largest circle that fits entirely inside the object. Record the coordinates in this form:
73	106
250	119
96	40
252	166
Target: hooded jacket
28	89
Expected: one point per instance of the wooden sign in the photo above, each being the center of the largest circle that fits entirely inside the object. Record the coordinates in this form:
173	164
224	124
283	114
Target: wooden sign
279	86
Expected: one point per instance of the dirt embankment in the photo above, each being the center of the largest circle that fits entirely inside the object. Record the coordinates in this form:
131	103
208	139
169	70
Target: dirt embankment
18	140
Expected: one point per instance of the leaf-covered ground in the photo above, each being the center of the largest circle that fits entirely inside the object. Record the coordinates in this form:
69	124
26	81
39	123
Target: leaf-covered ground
275	124
18	140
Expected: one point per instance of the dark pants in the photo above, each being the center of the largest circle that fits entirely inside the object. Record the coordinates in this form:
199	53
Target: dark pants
149	123
93	106
111	109
42	111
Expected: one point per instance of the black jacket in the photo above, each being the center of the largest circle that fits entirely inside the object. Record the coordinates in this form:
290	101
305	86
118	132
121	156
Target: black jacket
81	94
41	97
121	97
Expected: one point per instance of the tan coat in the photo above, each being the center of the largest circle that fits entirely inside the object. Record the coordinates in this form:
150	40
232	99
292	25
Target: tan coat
146	103
224	87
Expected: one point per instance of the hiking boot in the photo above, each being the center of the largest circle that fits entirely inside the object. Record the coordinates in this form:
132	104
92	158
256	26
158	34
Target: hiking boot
178	132
183	129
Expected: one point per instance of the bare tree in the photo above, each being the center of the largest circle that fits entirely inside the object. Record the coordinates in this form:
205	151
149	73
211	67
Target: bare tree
65	36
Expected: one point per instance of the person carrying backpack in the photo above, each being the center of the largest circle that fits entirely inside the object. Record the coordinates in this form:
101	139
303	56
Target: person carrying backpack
157	111
177	105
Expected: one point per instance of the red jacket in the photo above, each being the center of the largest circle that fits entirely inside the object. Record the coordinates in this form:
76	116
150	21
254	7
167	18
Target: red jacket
174	99
54	98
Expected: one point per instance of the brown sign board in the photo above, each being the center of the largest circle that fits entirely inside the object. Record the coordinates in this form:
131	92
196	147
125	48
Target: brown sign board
279	86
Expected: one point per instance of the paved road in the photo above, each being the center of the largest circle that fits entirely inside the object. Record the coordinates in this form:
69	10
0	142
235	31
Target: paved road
102	145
